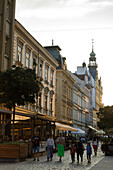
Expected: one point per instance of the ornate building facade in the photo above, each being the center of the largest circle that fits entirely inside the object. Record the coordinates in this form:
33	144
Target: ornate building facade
64	88
29	53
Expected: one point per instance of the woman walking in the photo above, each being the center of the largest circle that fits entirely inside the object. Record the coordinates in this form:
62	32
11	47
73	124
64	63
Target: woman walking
60	145
50	147
95	145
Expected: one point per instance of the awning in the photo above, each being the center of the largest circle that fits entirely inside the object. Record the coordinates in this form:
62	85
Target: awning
100	132
79	131
93	128
20	112
65	127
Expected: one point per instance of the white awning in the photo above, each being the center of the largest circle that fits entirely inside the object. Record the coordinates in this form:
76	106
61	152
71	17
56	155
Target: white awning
101	132
93	128
79	131
65	127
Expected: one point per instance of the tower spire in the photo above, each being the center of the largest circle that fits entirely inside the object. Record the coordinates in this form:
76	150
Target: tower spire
92	45
52	42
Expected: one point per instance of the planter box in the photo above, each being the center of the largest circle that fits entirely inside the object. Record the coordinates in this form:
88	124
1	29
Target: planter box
13	152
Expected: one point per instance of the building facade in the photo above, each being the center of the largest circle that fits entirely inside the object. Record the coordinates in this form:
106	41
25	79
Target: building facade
28	53
7	16
64	88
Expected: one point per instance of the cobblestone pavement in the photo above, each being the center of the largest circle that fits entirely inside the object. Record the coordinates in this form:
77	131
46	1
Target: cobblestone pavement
66	164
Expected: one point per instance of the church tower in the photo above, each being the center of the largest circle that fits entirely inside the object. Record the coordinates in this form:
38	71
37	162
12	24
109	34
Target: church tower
92	63
7	18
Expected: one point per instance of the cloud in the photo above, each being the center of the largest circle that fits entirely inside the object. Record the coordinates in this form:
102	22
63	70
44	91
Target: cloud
64	14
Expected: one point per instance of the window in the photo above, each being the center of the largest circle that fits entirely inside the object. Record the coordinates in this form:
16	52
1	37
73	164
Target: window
52	77
40	67
46	72
39	100
51	103
27	59
7	11
5	63
34	64
45	102
6	45
19	53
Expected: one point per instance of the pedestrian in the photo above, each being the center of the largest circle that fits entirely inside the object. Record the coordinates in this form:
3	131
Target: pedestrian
80	150
60	141
95	145
50	147
36	140
89	152
72	152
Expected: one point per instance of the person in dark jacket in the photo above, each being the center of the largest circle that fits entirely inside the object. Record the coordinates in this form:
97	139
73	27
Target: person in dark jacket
79	150
36	140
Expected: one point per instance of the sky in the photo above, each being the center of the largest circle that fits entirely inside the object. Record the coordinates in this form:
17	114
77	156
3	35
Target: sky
72	24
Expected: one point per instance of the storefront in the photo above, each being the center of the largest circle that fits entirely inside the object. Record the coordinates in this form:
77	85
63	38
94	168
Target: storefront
25	125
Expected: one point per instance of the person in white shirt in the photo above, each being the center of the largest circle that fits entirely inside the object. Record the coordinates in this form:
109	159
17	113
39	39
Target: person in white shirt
95	145
50	147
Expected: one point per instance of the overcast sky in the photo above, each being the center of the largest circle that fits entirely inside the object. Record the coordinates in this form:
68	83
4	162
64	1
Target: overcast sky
72	24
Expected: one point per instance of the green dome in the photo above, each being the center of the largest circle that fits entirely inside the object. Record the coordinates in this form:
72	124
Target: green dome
92	54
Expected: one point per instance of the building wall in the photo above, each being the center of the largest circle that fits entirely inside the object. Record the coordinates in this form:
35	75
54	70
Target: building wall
98	100
28	53
64	96
7	15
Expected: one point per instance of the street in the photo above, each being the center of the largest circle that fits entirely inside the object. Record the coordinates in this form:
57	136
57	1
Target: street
99	162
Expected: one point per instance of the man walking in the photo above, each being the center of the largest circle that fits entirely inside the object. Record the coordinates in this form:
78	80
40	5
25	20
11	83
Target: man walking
80	150
36	145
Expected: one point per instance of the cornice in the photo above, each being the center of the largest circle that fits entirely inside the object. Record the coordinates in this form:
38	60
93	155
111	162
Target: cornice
65	72
35	42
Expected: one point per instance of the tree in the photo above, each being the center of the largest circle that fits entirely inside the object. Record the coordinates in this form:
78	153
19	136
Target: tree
105	116
18	86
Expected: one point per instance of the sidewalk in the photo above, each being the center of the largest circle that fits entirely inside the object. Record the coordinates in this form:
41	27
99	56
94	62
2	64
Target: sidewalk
105	164
66	164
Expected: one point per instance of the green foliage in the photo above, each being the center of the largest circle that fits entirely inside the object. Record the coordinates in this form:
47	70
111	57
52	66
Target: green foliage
105	116
18	86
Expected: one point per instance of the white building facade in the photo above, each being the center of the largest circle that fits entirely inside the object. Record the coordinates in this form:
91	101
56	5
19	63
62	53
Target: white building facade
28	53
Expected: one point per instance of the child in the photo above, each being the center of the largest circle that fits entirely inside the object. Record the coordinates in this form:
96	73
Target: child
72	152
89	152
